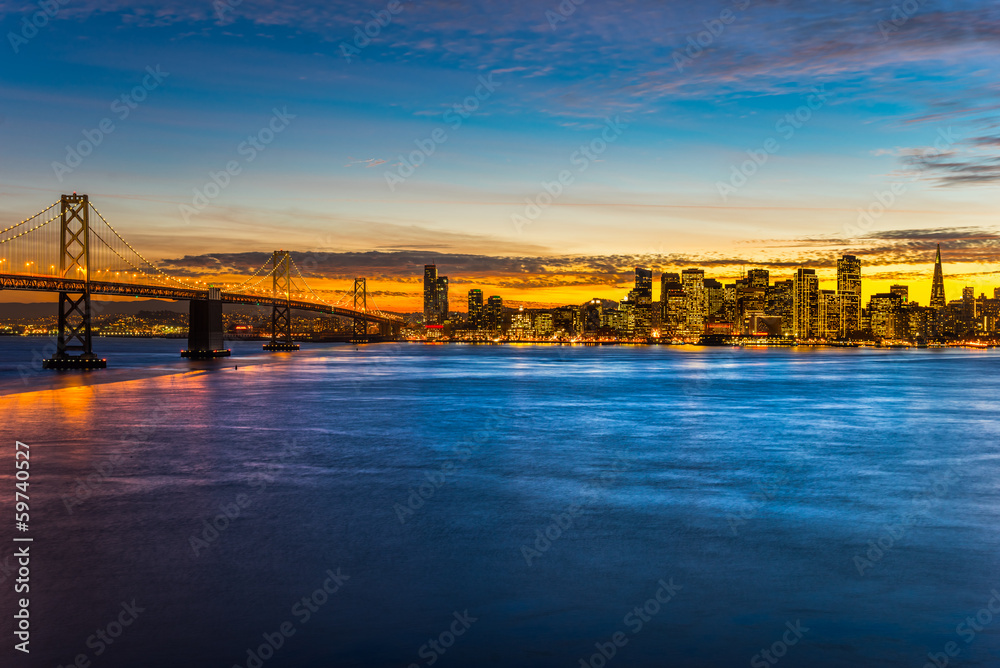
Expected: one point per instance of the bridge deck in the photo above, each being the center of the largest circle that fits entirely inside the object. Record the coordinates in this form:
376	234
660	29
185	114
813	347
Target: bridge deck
36	283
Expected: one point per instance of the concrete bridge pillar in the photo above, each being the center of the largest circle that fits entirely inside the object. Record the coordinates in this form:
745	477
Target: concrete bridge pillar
205	328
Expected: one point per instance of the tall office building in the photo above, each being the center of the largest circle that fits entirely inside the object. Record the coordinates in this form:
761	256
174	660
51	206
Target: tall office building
693	281
849	292
805	303
442	298
780	301
885	312
902	290
476	319
668	281
937	287
430	294
435	296
668	278
673	303
758	278
828	314
644	283
642	298
714	299
494	314
969	306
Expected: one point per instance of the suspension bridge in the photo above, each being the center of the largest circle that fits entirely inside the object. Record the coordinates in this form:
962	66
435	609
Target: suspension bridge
71	249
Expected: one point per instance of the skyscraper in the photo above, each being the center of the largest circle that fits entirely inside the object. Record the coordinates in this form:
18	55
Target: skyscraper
668	282
828	313
849	292
494	314
476	320
430	294
780	301
435	296
969	306
805	304
644	283
902	290
441	293
693	281
642	296
758	278
937	287
714	298
885	311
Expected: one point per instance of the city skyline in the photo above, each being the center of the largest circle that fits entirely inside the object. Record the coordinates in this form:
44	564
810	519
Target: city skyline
693	308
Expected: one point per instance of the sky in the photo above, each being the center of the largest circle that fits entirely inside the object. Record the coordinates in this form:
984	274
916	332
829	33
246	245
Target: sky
536	150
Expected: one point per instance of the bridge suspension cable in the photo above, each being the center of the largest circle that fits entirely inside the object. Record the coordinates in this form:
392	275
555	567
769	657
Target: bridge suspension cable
6	230
146	262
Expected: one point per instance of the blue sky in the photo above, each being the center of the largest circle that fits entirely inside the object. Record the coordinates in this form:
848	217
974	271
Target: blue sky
884	84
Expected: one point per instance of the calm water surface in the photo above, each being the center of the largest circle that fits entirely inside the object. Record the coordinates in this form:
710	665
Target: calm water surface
542	492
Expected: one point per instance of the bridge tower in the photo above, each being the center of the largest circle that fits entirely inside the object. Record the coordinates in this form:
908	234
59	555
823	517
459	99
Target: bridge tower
281	313
360	334
74	306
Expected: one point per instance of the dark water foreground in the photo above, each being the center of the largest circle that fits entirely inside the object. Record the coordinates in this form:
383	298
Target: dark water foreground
420	505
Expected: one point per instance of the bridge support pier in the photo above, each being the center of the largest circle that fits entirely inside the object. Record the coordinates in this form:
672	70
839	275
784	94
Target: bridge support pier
281	312
205	328
74	308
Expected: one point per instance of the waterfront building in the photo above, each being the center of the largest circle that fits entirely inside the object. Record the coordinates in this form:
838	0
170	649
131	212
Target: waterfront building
885	313
435	296
805	303
495	315
477	319
849	291
642	299
779	301
693	282
828	314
